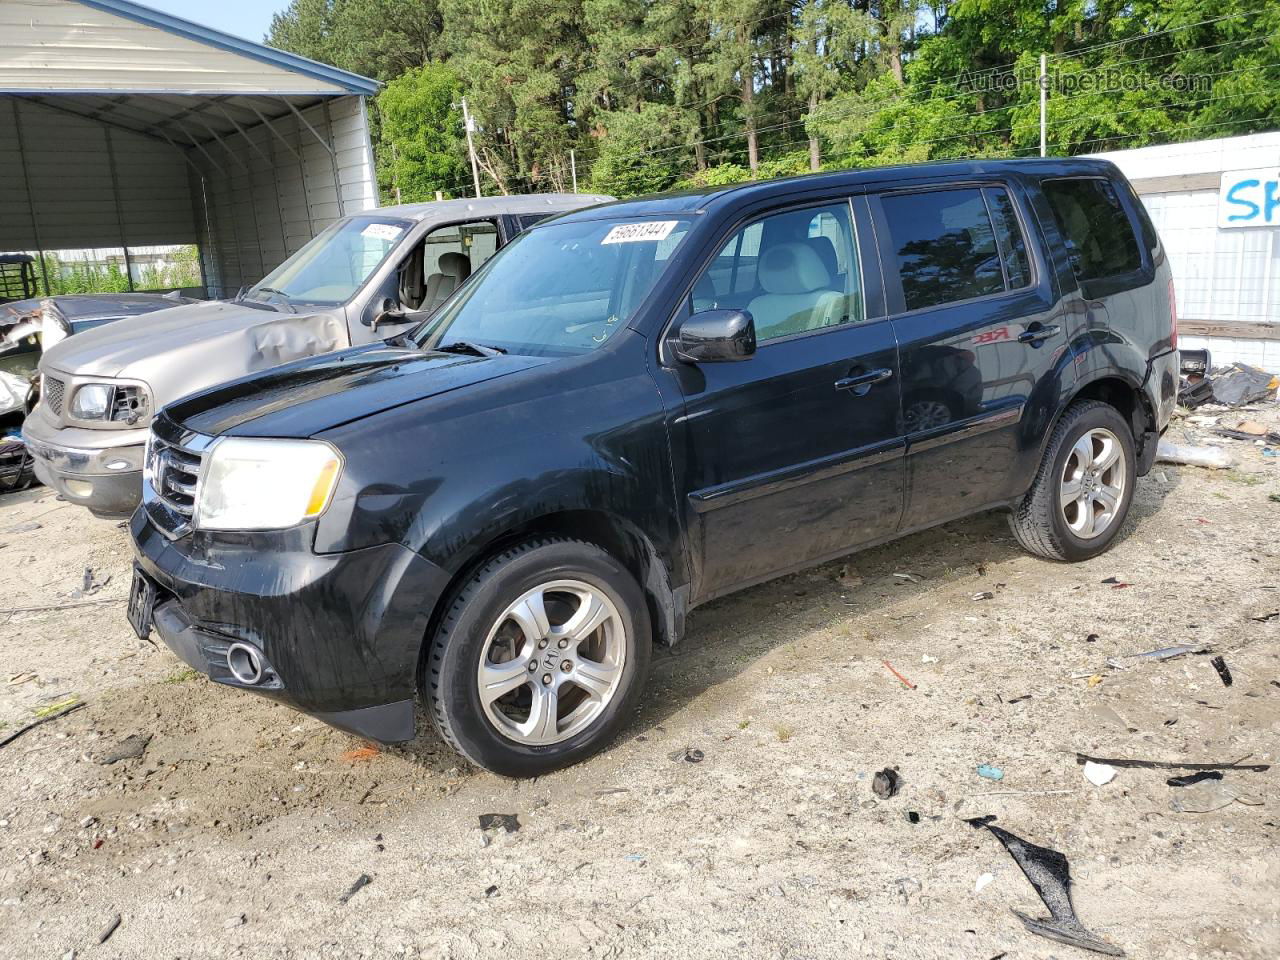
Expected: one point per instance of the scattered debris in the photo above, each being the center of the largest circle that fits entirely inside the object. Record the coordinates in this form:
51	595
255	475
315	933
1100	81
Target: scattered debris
1168	653
913	816
239	920
1050	874
983	595
908	887
1191	778
1025	696
1099	774
18	678
362	881
925	658
1266	617
885	783
109	929
981	882
905	682
1214	458
1208	796
909	577
130	748
495	821
1224	671
491	891
44	717
1091	638
1116	584
367	752
688	754
1240	384
1083	758
989	772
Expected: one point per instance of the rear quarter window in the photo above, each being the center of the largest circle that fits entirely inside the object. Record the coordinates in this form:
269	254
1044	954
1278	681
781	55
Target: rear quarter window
955	244
1097	229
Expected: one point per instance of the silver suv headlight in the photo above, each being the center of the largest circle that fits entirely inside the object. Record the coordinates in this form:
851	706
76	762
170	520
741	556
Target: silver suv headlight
251	483
117	402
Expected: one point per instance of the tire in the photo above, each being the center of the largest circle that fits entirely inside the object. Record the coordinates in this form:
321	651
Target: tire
576	694
1051	523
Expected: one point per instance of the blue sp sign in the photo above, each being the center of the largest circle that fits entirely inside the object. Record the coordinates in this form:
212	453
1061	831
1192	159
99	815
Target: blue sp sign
1249	198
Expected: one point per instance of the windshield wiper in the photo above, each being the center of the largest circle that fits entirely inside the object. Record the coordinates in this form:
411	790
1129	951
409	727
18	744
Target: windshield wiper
280	293
467	346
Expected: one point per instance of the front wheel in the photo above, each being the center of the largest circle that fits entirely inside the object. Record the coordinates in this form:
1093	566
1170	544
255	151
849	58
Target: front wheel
540	658
1082	492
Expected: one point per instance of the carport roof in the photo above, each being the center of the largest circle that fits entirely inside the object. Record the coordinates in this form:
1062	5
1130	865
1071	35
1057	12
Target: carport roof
125	65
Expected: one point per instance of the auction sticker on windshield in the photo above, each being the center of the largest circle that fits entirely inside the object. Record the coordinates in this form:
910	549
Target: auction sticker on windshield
644	232
382	231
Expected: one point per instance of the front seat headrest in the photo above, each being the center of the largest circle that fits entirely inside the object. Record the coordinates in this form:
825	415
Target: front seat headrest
792	268
457	265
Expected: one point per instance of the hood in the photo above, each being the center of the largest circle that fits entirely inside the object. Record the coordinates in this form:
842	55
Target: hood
306	398
196	345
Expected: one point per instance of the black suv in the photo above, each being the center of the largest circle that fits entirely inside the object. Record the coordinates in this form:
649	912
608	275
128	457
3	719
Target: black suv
635	408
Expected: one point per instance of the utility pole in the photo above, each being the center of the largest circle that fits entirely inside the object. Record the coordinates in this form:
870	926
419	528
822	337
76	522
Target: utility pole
573	170
471	146
1044	100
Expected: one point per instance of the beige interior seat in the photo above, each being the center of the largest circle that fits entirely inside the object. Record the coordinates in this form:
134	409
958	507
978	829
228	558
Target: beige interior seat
451	269
797	294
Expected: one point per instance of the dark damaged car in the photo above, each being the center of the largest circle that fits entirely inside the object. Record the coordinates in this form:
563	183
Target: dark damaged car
634	409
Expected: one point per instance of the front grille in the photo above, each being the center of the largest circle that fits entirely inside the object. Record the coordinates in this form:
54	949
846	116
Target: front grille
53	390
172	471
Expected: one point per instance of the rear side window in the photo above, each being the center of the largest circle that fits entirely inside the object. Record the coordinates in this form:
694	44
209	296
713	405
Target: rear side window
953	245
1097	230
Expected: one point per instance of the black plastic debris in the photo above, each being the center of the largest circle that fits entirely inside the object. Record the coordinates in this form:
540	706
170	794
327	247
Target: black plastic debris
1091	638
1266	617
1240	384
1223	671
1191	778
491	891
1194	391
1049	873
9	738
913	816
885	783
687	754
362	881
1083	758
499	821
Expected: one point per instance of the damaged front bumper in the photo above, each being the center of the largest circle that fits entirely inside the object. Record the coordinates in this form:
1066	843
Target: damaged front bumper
338	636
98	469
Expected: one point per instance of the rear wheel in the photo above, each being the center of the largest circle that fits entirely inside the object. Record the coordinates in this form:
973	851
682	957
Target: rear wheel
540	658
1082	492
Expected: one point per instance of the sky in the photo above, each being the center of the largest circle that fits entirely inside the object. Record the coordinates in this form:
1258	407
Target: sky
245	18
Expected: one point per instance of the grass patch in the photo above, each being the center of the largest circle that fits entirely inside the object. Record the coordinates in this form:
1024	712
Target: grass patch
55	707
784	733
743	724
182	676
1248	479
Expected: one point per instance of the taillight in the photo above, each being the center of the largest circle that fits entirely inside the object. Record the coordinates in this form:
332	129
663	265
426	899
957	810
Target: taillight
1173	317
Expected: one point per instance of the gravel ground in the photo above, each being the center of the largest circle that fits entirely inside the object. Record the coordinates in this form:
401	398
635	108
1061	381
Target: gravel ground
242	825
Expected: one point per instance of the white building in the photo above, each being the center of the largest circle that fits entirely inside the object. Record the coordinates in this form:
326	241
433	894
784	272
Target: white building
126	128
1216	204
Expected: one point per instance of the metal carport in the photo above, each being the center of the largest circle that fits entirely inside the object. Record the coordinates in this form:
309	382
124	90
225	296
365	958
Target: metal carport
124	127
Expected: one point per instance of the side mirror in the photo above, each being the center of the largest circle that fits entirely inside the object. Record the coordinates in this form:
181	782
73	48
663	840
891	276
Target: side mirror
716	336
389	312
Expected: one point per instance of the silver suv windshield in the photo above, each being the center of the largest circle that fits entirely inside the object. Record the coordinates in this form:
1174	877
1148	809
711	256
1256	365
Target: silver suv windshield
334	264
558	290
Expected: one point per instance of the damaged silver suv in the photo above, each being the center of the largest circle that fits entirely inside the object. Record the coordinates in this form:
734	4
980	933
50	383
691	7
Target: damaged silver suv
355	283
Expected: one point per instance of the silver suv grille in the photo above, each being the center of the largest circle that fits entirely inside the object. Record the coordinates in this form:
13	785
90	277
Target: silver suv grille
53	390
172	471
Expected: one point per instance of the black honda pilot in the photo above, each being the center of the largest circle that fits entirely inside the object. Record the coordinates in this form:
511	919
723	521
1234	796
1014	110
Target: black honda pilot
639	407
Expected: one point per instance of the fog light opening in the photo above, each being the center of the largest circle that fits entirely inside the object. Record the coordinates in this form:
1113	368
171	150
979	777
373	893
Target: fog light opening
245	663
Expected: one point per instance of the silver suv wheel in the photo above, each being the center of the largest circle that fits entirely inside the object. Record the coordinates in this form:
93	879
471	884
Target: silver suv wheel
1093	482
552	662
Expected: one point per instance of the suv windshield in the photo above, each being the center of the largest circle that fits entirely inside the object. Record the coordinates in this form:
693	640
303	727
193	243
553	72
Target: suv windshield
334	264
558	290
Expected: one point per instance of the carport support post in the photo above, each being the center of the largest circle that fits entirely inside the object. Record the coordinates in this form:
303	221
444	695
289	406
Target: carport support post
115	193
1044	101
31	203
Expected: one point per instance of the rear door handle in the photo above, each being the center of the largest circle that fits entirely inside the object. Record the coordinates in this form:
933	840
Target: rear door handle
1037	334
863	382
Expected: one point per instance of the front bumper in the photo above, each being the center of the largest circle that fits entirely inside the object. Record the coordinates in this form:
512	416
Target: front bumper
80	465
342	633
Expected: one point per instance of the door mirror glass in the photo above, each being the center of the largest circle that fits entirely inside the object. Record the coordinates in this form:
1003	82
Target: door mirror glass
715	336
388	312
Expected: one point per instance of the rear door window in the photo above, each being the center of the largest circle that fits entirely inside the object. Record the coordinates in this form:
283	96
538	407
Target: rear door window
955	244
1095	226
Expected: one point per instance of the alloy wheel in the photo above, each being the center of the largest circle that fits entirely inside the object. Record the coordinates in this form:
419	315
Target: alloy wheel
1092	485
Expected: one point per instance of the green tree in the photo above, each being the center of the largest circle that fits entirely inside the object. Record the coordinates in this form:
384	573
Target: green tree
423	143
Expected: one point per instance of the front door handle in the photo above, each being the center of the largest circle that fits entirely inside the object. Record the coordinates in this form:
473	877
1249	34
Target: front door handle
1037	333
862	382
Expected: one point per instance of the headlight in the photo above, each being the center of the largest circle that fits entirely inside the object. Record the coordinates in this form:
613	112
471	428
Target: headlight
262	484
92	401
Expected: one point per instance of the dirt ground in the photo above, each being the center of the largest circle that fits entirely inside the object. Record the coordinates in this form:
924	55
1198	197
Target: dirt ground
242	825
